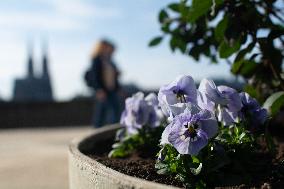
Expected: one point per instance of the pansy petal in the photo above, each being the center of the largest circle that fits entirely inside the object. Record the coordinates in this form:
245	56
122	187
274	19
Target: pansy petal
209	126
165	135
184	140
203	102
209	88
176	140
140	112
122	118
187	85
262	115
152	99
177	108
234	101
248	101
196	146
225	117
252	109
142	115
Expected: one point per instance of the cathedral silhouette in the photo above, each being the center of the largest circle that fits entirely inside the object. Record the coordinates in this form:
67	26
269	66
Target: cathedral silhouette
34	87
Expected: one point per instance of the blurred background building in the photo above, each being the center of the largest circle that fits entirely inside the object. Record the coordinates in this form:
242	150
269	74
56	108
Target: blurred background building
35	86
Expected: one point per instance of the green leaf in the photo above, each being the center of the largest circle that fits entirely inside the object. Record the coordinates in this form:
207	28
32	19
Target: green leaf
198	9
220	29
117	153
236	67
276	33
177	43
163	15
174	7
116	145
242	136
244	51
197	170
195	51
274	102
155	41
244	67
226	49
195	159
162	171
236	131
160	165
251	91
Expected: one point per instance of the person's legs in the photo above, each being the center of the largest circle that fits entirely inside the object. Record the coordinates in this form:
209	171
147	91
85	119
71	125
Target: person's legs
115	107
99	114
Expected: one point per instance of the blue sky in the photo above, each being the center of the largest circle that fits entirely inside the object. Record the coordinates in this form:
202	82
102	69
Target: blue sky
72	28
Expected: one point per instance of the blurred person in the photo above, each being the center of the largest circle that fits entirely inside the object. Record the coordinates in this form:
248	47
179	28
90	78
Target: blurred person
103	78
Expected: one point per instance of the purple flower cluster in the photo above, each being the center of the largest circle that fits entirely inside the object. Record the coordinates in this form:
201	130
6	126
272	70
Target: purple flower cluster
252	110
194	113
140	112
173	98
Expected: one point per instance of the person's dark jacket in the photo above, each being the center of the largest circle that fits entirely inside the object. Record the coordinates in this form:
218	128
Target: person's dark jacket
94	76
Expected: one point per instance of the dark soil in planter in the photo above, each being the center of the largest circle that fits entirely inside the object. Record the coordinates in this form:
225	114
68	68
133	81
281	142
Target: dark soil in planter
137	166
267	172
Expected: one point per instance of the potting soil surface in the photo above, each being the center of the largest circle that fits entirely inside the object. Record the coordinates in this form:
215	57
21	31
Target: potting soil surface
266	173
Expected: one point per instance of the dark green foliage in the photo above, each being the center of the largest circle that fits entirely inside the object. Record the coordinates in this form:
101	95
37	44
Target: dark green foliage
249	34
146	142
224	159
274	102
186	168
155	41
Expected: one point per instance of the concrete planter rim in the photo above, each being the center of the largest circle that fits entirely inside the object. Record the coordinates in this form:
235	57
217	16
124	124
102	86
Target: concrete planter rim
74	152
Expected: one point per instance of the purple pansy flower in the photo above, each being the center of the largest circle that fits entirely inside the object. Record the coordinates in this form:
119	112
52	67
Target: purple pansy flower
189	133
173	98
140	111
204	103
227	101
253	110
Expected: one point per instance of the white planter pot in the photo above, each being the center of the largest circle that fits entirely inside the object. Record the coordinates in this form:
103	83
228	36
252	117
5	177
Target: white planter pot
86	173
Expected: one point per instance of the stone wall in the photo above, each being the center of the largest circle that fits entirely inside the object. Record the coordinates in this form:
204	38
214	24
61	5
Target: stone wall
46	114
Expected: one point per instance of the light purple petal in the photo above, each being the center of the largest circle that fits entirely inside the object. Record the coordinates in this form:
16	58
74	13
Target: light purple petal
186	146
186	143
207	122
209	88
139	112
210	127
249	101
122	118
260	115
204	103
180	145
187	85
201	142
252	107
152	99
165	135
165	100
177	108
143	113
182	90
202	115
132	130
225	117
234	101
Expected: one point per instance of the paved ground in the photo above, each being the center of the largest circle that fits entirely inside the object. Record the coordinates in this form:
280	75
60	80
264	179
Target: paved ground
36	158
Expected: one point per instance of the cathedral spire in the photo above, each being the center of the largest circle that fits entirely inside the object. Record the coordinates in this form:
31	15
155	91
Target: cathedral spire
45	71
30	61
45	78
